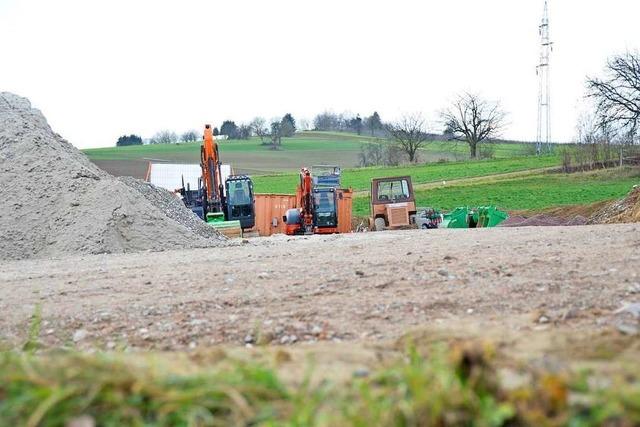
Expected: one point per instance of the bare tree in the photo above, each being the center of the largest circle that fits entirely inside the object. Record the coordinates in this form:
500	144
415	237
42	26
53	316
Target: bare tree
259	128
473	120
410	133
189	136
164	137
617	96
276	134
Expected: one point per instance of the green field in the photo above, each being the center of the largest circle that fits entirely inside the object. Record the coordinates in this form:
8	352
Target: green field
360	179
533	192
304	149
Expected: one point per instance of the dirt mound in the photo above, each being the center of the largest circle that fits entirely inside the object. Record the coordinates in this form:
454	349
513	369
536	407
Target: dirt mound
542	220
620	211
54	201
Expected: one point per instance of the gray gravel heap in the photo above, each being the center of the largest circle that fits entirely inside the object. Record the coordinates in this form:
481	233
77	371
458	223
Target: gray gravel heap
54	201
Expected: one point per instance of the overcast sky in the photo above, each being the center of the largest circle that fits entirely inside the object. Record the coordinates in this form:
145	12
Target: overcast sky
99	69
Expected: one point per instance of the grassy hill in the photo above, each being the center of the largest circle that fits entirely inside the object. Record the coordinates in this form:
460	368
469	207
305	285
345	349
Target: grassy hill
304	149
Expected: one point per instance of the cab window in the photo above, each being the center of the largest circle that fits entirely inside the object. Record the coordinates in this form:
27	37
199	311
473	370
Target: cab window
393	191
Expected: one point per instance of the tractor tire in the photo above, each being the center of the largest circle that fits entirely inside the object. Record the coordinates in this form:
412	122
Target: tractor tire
379	224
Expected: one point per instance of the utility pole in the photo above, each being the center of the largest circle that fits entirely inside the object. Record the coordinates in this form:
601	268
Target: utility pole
543	136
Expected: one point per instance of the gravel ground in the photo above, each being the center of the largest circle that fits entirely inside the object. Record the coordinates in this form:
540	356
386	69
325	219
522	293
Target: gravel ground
360	287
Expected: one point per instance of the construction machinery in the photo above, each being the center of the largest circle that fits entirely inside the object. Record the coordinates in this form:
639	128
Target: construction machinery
317	207
393	204
222	199
478	217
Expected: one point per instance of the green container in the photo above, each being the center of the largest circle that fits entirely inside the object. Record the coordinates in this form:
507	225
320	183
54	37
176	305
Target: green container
457	218
466	217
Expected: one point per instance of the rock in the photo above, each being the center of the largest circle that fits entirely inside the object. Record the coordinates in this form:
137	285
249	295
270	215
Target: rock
627	329
316	330
361	373
633	309
81	421
79	335
359	273
634	288
443	272
470	311
248	339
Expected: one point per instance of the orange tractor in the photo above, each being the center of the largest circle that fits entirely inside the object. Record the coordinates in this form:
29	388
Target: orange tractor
393	204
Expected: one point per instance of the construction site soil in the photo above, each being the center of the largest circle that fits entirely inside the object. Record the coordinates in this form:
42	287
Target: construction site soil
361	287
54	201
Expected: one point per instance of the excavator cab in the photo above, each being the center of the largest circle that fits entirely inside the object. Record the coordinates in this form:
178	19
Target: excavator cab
325	215
239	201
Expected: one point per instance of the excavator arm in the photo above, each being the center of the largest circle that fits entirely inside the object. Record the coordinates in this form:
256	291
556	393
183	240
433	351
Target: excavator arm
211	175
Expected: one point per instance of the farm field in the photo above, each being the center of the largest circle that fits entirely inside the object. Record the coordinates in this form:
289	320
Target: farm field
533	191
359	179
252	158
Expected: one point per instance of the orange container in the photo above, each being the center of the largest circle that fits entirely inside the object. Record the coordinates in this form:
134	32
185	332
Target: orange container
270	208
345	201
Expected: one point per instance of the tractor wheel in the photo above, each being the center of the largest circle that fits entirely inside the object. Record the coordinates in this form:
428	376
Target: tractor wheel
379	224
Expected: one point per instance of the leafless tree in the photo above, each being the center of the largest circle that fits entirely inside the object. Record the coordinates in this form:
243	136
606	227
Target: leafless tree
409	133
617	95
473	120
189	136
259	128
164	137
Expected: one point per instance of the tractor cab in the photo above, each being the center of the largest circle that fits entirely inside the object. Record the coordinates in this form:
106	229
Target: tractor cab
393	203
239	200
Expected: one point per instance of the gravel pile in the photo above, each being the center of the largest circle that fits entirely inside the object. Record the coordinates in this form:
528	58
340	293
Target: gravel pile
172	206
54	201
620	211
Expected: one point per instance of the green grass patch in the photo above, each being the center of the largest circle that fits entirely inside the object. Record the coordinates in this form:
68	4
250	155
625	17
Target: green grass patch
308	142
534	192
360	179
180	152
451	386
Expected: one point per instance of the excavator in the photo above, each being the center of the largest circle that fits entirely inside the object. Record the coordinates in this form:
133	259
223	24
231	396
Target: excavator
317	211
228	200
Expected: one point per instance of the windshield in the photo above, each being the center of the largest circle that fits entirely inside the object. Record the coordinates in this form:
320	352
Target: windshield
393	190
239	193
323	201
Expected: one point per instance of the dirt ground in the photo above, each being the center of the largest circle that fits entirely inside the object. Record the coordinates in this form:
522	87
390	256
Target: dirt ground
365	288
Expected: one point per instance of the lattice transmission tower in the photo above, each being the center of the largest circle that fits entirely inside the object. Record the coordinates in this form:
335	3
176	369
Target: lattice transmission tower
543	137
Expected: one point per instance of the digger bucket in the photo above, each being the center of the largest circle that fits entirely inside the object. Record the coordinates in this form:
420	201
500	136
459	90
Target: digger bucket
489	216
457	218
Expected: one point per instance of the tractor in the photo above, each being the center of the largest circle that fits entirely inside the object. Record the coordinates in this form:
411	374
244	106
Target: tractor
393	204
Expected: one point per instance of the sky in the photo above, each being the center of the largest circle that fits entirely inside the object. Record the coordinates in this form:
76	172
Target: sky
99	69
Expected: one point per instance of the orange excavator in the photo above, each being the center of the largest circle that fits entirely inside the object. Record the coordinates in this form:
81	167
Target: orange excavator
317	212
228	200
